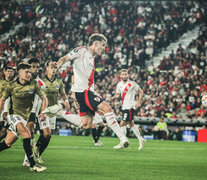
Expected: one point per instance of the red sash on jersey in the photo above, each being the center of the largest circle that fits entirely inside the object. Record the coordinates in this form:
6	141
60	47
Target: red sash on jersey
40	83
125	91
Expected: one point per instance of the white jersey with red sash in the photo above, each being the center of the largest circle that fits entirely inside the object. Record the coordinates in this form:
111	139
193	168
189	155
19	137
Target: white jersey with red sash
128	91
38	101
83	67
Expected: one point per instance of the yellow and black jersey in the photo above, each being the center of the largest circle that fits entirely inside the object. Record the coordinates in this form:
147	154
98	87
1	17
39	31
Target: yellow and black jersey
22	97
53	89
3	84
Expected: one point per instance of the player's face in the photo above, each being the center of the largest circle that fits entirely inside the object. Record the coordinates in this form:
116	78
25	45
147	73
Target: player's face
99	48
52	68
35	67
25	74
124	76
9	74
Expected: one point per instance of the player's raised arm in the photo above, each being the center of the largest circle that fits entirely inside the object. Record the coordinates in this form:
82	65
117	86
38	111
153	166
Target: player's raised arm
63	60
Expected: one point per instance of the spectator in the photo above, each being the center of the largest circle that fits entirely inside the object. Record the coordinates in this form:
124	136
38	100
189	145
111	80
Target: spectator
160	130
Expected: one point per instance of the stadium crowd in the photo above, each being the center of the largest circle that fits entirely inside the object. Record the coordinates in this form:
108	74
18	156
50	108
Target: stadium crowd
136	31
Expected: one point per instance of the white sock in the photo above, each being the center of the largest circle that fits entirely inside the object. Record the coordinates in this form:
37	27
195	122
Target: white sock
25	158
73	118
124	130
136	132
32	142
113	124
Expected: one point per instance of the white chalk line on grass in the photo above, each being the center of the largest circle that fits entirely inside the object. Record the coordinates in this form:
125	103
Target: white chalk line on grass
148	148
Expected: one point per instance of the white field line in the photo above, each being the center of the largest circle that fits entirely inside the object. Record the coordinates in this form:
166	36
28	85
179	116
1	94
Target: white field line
104	147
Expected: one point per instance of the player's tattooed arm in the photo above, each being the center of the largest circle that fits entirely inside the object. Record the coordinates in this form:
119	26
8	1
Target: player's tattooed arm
62	61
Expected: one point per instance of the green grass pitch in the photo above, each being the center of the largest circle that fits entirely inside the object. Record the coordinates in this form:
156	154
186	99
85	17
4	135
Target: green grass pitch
75	157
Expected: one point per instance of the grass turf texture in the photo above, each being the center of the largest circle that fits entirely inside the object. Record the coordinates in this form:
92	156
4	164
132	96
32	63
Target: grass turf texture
75	157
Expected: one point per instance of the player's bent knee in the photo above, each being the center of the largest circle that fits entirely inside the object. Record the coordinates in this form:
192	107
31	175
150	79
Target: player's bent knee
105	107
25	133
47	133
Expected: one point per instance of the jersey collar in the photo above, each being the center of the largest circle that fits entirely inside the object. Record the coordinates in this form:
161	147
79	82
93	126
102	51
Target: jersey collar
27	83
49	79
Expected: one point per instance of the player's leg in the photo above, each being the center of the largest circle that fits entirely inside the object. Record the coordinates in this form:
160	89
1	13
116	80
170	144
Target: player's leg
123	126
137	133
87	120
105	109
97	132
24	132
30	126
8	141
43	140
72	118
3	133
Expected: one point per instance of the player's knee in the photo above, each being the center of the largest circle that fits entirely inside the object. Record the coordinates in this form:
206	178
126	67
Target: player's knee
107	108
47	133
93	126
25	133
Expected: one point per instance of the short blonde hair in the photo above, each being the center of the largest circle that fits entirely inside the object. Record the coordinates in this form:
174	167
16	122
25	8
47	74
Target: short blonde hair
123	70
96	37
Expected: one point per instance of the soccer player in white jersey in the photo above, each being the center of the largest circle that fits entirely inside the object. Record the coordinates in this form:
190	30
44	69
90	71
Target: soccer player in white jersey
84	67
45	136
128	89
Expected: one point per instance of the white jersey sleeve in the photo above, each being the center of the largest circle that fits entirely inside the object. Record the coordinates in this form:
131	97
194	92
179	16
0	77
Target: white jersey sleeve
6	105
136	86
74	54
83	68
118	90
37	100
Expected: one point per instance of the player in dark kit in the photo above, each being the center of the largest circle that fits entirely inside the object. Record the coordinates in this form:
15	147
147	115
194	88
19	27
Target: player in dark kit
8	76
22	92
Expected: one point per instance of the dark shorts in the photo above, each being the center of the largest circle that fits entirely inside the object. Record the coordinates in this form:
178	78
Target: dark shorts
128	115
4	124
88	102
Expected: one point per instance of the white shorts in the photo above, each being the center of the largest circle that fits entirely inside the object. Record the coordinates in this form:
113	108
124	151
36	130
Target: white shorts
52	122
13	120
44	124
97	119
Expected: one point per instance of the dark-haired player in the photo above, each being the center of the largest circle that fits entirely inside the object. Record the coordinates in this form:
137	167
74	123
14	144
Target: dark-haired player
22	92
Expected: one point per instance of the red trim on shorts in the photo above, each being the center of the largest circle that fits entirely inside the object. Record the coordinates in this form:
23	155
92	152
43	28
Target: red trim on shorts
40	83
67	113
87	100
82	113
130	115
